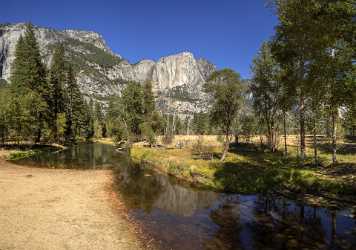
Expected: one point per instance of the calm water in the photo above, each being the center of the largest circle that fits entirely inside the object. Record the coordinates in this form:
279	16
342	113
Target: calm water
177	216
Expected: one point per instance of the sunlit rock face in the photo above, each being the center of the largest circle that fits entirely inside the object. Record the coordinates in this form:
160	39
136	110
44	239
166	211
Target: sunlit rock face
177	79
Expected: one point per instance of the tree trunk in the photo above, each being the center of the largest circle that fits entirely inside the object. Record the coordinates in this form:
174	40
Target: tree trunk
315	144
55	128
333	118
273	140
285	134
226	147
302	129
38	136
269	137
237	138
39	130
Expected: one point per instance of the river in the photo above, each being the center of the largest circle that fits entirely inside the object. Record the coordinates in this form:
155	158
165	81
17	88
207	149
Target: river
178	216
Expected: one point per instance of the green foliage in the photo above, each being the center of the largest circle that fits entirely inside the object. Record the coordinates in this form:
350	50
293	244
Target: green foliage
157	122
18	155
56	95
314	44
248	125
61	124
148	99
99	121
5	113
120	132
25	112
225	87
132	103
36	102
147	133
201	123
28	71
178	170
92	54
3	83
28	81
267	90
77	113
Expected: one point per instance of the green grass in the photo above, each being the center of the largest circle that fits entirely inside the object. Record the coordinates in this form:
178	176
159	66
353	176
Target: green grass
249	170
19	152
18	155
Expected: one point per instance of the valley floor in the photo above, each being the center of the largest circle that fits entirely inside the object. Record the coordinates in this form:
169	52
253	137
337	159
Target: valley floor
61	209
247	169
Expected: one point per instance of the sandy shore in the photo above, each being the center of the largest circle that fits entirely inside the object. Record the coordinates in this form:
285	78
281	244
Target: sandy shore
61	209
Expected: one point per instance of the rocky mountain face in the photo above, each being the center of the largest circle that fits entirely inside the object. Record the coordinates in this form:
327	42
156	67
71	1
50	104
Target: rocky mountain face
177	79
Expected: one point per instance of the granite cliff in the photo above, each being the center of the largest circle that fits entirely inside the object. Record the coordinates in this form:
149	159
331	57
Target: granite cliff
177	79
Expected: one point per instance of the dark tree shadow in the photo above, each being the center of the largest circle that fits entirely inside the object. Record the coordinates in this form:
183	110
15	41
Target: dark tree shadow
342	169
343	149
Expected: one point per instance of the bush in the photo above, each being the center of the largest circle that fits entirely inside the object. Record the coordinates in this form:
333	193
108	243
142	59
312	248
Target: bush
148	133
119	132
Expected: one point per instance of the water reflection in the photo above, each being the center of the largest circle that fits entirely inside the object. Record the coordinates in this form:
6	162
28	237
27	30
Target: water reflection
83	156
149	190
178	216
181	217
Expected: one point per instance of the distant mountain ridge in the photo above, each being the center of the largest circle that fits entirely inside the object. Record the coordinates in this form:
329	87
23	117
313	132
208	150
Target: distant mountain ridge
177	79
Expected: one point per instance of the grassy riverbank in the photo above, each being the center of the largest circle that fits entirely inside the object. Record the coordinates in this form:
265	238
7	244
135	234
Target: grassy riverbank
22	151
247	169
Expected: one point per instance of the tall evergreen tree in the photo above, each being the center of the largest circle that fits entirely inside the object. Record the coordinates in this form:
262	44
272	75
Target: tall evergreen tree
57	78
28	77
148	99
89	124
5	100
74	107
27	69
100	126
132	100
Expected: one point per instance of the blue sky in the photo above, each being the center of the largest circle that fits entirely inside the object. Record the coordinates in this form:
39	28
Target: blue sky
226	32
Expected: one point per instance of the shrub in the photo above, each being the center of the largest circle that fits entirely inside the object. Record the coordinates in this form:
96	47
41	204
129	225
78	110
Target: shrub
147	133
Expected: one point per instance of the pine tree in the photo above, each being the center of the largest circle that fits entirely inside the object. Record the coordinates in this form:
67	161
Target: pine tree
57	79
74	108
148	99
100	126
28	70
89	128
5	100
28	78
132	100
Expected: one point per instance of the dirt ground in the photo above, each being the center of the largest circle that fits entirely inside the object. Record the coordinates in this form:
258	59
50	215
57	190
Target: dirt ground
61	209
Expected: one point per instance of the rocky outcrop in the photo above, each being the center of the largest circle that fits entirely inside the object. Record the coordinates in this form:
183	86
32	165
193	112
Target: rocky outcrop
177	79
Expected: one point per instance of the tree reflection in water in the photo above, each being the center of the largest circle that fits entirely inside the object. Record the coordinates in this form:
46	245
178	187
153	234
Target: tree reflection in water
179	216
